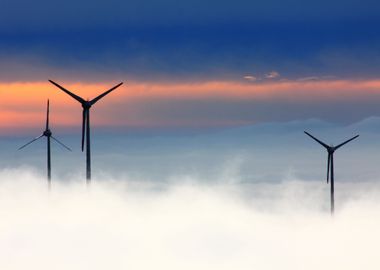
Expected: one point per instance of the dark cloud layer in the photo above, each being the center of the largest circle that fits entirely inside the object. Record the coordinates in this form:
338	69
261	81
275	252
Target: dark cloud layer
73	14
187	40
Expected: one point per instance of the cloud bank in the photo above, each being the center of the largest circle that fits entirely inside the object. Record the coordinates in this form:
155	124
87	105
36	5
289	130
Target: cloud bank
187	226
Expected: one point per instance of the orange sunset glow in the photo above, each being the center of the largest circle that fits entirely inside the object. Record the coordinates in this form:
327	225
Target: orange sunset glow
24	103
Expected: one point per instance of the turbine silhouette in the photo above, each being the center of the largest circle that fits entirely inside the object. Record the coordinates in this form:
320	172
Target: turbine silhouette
48	134
330	164
86	105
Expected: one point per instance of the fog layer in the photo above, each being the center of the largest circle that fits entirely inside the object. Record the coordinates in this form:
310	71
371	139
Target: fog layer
185	224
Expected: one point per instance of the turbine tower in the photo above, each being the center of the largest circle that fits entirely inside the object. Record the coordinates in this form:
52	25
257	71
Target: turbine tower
330	164
48	134
86	105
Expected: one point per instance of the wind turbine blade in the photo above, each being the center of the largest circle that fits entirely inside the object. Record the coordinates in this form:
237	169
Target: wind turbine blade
47	116
340	145
55	139
35	139
318	141
78	98
328	167
84	118
105	93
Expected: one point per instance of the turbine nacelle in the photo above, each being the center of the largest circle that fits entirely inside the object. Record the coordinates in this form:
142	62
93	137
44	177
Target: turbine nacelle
86	105
331	149
47	133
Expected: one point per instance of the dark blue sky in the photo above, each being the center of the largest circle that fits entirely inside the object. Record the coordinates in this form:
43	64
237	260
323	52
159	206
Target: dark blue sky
42	14
169	40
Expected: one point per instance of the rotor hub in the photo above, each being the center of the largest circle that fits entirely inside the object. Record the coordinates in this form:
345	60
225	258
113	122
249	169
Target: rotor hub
47	133
86	105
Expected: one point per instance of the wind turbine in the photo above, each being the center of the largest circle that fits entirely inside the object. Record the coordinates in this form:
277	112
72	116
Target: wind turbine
330	163
86	105
48	134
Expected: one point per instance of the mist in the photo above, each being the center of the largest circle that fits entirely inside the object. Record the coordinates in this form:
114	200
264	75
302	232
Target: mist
252	197
185	225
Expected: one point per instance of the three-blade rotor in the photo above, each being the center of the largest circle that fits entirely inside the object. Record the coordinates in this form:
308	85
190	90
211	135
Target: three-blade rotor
47	132
86	106
330	150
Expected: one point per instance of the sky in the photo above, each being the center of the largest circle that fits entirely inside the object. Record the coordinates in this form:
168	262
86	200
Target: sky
210	89
199	160
190	64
